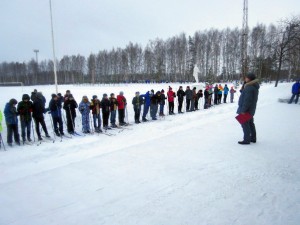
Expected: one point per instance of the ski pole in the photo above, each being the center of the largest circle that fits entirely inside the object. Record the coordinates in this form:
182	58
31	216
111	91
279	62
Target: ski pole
54	136
33	129
1	141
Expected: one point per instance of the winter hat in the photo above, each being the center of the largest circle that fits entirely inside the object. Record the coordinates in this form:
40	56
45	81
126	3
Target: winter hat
68	91
162	91
152	91
13	101
59	94
35	90
251	76
53	95
180	87
137	93
121	93
25	97
112	94
94	96
104	95
84	97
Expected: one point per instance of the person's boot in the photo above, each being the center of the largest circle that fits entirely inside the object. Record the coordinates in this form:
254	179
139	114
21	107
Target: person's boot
40	138
47	135
244	143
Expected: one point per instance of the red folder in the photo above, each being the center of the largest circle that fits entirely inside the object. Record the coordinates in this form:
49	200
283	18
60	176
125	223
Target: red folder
243	118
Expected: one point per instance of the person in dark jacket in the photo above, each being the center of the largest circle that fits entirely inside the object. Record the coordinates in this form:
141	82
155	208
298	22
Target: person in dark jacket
199	96
154	104
295	92
147	103
55	110
193	100
180	95
105	105
247	104
70	106
137	103
95	107
25	110
162	103
188	96
38	110
11	119
216	92
113	110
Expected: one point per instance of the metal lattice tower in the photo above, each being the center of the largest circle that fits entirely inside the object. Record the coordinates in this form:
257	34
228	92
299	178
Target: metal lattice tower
244	46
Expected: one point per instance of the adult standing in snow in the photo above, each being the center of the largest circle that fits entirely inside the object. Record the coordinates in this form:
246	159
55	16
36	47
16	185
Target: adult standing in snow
232	91
121	108
11	118
137	103
162	102
70	106
226	90
171	95
147	103
295	92
25	109
199	96
55	109
113	110
38	110
105	105
247	104
216	91
180	95
84	109
193	100
189	96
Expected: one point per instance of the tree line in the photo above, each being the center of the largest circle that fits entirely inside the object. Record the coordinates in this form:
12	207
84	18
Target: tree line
273	54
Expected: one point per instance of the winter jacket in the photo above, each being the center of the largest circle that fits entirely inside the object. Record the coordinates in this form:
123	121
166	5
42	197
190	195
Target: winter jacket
70	107
155	99
248	98
95	106
25	109
121	102
137	102
39	95
296	88
189	94
220	90
216	90
84	108
199	94
10	113
194	95
38	108
226	90
1	117
55	108
232	91
163	99
146	97
105	105
180	94
113	104
171	95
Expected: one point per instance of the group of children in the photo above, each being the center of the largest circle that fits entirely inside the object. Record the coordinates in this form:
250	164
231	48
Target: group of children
32	108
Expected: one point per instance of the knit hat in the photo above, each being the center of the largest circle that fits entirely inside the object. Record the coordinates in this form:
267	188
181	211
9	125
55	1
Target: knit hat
121	93
162	91
13	101
112	94
104	95
84	97
94	96
53	95
25	97
137	93
251	76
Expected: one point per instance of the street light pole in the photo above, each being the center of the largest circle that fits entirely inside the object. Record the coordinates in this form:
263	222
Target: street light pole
53	48
37	64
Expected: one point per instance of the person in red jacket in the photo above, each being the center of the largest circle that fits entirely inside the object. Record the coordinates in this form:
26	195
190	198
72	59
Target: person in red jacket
121	108
171	95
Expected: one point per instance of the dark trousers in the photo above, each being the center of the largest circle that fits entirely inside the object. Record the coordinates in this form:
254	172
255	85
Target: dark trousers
113	117
196	103
188	103
39	121
137	113
219	98
153	110
180	105
12	129
225	97
292	98
215	99
249	131
146	110
25	129
58	125
70	122
105	117
171	107
121	113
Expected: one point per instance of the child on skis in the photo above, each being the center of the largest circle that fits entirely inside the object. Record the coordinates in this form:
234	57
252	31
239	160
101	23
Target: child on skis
70	106
171	97
113	110
55	110
11	118
24	110
105	105
162	103
95	107
137	103
121	108
84	109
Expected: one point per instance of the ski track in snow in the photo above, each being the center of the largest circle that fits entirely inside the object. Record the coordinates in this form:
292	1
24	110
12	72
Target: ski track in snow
186	169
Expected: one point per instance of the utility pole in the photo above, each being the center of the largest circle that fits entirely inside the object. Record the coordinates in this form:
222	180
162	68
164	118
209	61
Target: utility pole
244	62
53	48
37	64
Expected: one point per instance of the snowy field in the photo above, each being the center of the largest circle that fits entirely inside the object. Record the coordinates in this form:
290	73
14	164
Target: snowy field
185	170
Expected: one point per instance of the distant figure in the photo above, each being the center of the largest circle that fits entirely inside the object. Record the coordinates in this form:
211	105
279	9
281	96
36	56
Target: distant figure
180	95
232	91
137	103
84	109
295	92
171	96
247	104
226	90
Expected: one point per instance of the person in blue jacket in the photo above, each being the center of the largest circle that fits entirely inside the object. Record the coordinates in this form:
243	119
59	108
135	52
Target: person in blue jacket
295	92
11	119
84	109
226	90
147	102
247	104
55	109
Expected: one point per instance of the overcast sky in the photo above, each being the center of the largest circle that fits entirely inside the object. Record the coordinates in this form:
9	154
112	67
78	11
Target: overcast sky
85	26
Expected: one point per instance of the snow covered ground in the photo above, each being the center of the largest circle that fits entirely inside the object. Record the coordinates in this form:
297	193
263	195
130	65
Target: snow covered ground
185	170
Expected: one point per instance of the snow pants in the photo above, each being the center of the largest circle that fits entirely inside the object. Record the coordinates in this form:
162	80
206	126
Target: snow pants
39	121
12	129
292	98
